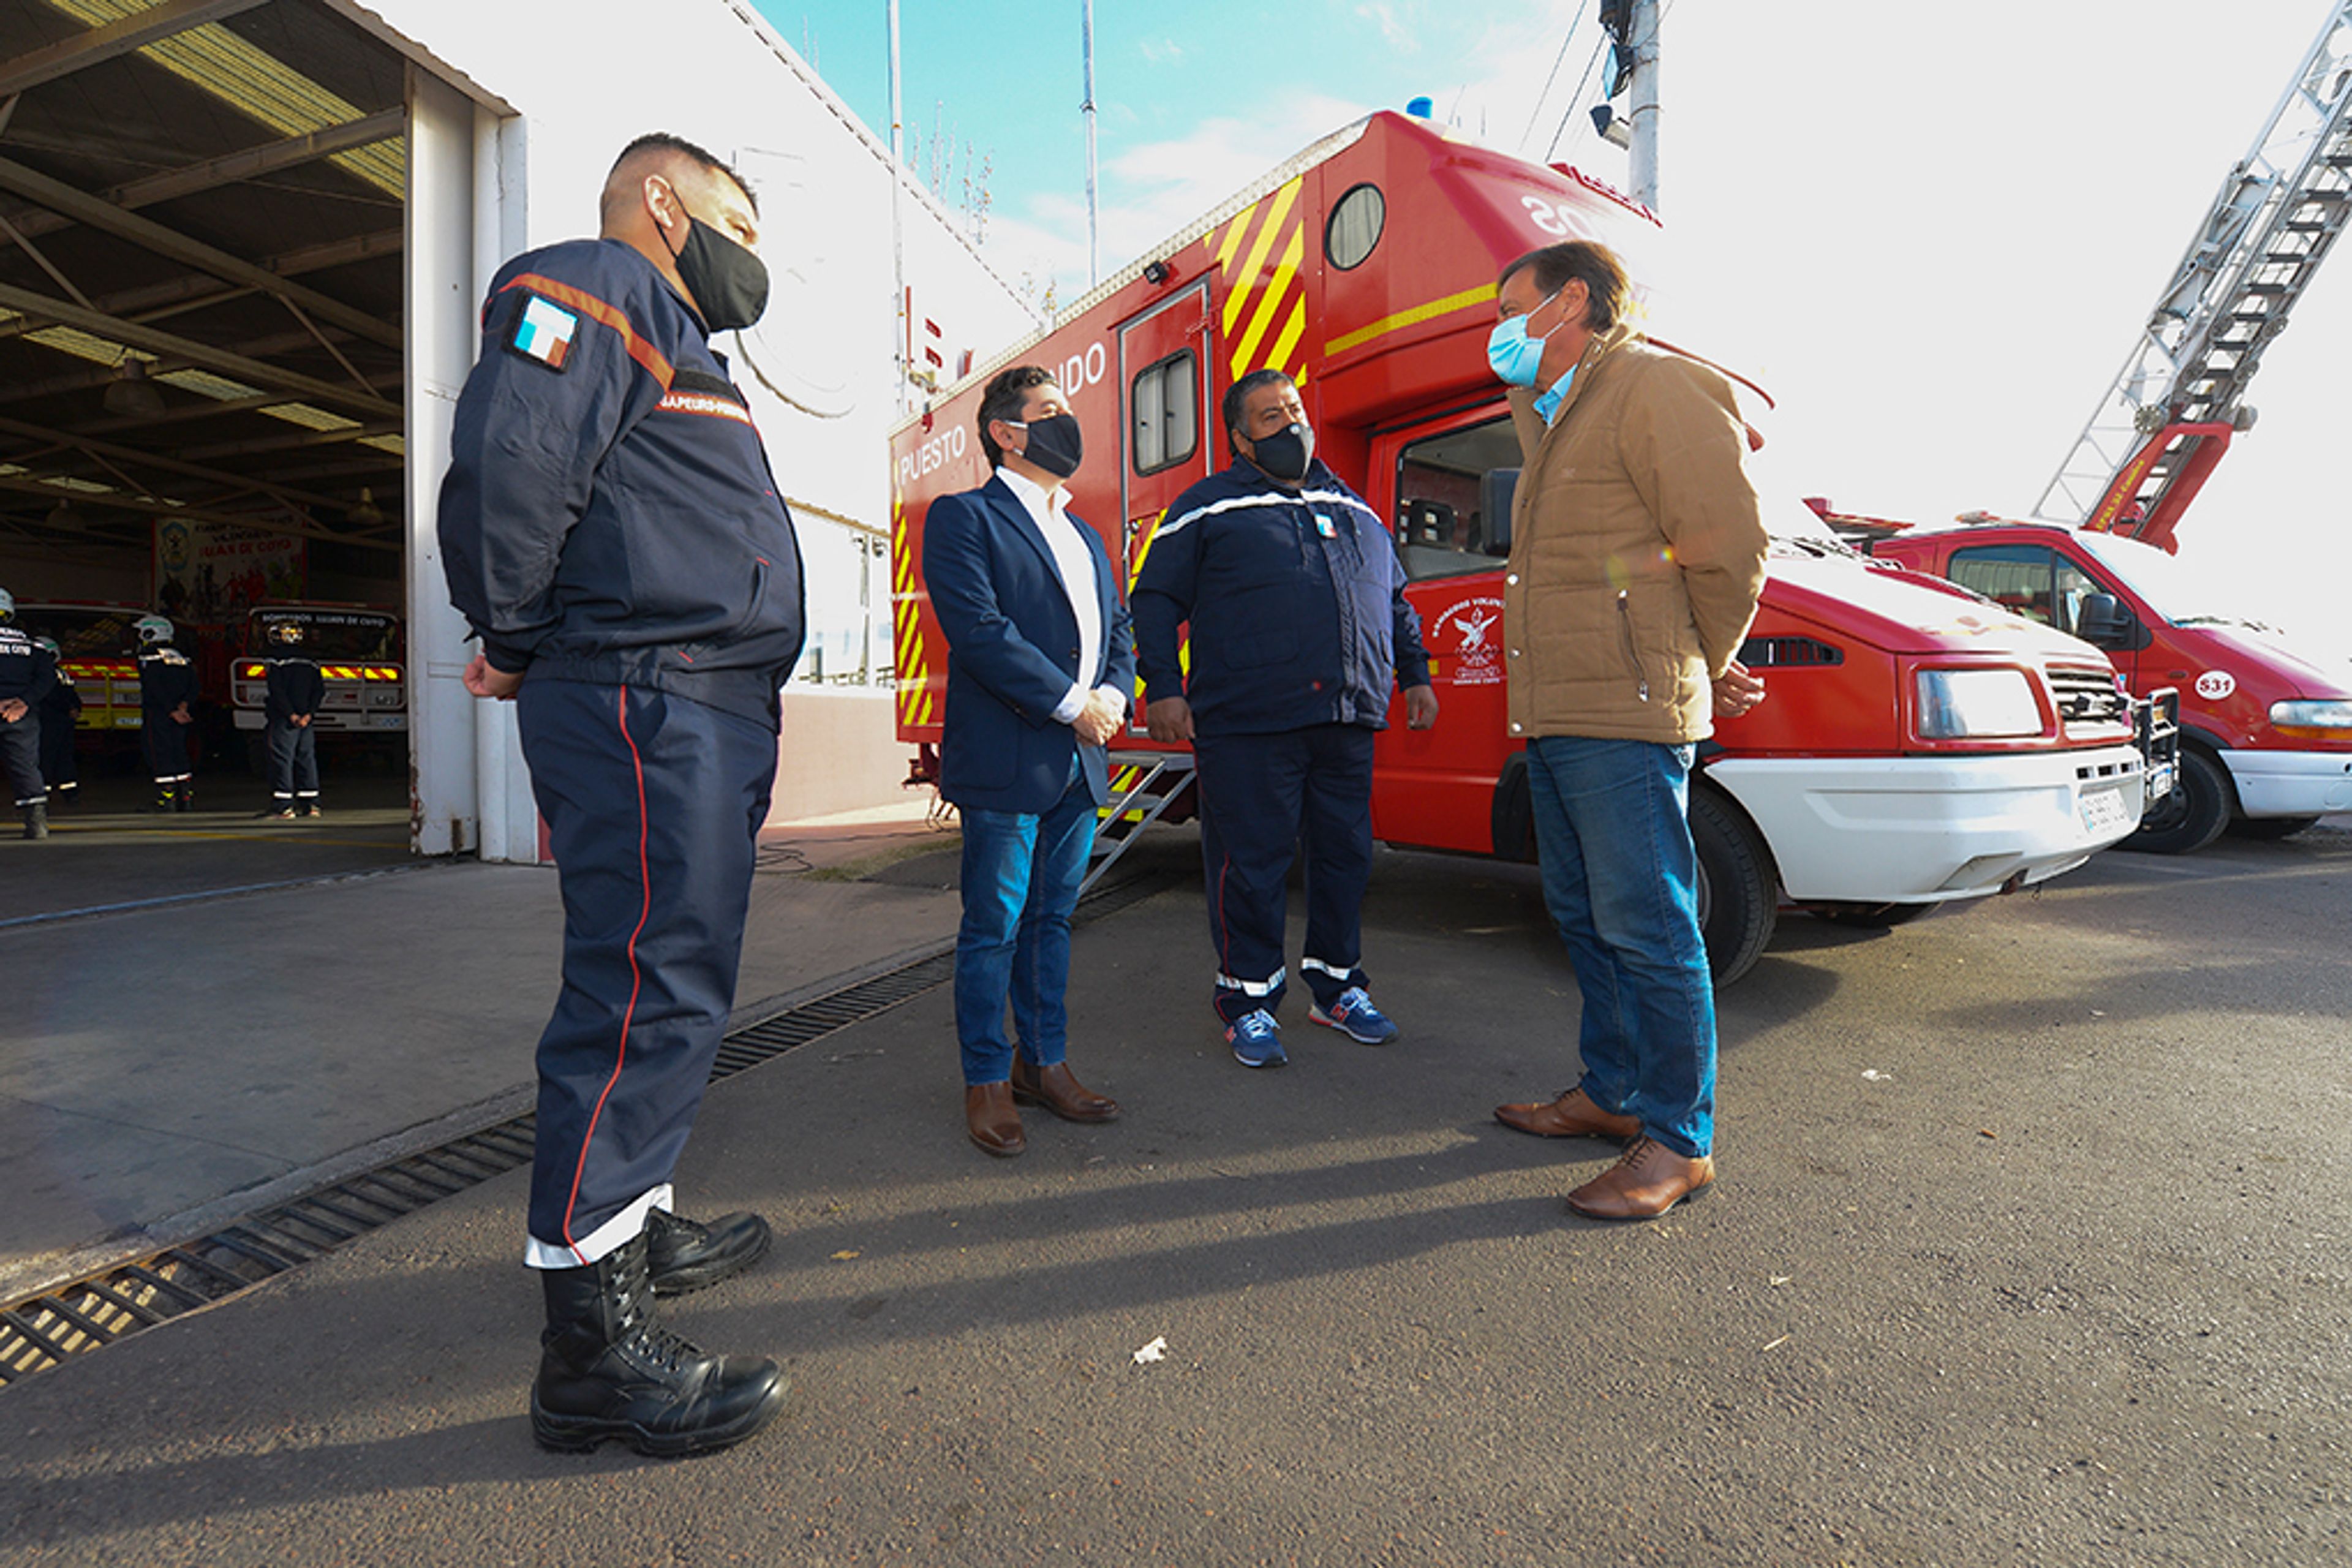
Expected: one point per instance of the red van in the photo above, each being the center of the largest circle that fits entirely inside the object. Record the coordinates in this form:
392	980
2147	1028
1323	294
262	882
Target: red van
2265	727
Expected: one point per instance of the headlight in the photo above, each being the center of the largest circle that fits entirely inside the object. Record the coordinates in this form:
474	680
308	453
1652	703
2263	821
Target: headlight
2313	713
1968	704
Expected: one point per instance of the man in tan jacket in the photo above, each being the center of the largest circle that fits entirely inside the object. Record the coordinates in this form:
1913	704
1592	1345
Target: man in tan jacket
1636	557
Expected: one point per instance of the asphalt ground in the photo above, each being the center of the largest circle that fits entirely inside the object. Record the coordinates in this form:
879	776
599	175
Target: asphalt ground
217	1012
2030	1247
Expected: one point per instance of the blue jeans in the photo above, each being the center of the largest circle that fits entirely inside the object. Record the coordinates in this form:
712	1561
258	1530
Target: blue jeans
1621	881
1020	876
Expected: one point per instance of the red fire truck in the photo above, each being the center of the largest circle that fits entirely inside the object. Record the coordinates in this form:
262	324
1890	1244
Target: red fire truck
359	652
1918	745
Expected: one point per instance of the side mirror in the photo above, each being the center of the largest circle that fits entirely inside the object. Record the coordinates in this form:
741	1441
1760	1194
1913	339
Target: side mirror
2104	622
1495	488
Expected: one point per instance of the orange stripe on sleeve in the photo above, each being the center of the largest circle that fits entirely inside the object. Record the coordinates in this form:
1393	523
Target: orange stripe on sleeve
643	352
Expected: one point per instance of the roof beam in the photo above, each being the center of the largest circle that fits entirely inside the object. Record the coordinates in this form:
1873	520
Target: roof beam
252	371
227	169
59	196
115	39
117	501
194	293
134	458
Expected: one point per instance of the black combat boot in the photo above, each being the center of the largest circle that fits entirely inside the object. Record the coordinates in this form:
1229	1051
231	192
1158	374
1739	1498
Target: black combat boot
607	1370
683	1256
36	825
164	797
184	798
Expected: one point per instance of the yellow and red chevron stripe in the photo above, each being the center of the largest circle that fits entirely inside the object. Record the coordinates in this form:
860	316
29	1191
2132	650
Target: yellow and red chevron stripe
1258	256
916	702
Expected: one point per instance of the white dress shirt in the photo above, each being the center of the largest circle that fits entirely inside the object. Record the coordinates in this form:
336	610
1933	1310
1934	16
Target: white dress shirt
1075	564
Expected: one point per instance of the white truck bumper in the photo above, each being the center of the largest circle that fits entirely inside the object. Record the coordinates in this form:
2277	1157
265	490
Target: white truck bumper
2290	784
1924	829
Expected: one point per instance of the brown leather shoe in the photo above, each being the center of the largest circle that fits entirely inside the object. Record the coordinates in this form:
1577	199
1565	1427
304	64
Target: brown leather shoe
1648	1181
1059	1091
1572	1115
989	1116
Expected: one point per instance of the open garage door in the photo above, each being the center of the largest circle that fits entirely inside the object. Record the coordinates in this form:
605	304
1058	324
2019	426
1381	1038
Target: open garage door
206	244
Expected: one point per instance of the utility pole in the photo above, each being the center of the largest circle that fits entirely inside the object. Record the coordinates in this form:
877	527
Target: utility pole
897	231
1641	155
1093	245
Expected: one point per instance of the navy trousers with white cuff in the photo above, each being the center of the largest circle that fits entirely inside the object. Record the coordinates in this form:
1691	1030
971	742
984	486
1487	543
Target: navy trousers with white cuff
1262	799
653	805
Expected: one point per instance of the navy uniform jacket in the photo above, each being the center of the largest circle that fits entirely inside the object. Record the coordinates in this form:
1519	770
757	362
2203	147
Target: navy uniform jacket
1013	652
166	679
296	687
26	669
609	515
1297	603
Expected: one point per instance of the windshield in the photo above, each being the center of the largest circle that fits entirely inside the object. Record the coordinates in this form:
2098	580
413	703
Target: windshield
329	634
2182	594
94	632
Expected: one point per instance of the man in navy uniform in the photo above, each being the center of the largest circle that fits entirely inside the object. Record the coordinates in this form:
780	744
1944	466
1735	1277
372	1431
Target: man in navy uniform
60	716
28	673
1300	634
295	691
167	697
610	530
1041	660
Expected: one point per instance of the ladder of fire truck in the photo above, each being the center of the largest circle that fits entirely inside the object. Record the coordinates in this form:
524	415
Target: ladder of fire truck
2179	398
1142	789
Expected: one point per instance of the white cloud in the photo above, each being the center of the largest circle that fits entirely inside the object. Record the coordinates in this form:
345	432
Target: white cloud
1164	51
1399	36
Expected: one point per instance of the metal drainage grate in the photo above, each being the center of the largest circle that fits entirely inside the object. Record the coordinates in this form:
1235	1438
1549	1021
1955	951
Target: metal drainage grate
39	1331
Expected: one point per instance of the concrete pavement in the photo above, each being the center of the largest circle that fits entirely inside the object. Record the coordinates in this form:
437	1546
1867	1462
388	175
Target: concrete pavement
2031	1248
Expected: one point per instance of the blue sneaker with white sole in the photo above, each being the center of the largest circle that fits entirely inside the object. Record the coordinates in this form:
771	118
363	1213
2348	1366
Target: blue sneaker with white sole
1354	1015
1257	1040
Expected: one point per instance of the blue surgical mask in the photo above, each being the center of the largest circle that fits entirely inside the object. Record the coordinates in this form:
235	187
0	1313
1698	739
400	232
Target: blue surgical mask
1516	358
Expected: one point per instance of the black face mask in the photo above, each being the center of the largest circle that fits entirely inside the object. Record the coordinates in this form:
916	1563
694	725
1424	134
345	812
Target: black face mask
727	281
1286	454
1055	444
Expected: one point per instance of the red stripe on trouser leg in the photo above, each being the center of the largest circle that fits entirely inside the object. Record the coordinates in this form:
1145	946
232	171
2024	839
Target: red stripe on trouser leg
636	980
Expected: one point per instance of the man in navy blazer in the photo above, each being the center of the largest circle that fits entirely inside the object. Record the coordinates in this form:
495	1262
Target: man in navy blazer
1041	666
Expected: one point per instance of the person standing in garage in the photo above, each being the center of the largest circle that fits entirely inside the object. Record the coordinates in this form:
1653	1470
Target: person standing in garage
167	697
610	530
27	672
296	689
60	716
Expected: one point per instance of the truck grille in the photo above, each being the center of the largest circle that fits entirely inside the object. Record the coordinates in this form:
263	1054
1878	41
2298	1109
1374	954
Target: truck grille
2089	702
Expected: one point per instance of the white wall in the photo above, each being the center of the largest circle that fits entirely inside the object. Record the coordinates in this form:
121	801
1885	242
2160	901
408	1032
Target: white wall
713	71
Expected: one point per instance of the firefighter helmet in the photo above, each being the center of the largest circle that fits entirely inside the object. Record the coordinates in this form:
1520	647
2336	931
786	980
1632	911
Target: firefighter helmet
286	634
7	605
152	630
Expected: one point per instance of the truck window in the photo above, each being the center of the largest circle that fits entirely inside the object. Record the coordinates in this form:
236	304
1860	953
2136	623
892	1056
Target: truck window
2015	577
1167	413
1441	533
2035	580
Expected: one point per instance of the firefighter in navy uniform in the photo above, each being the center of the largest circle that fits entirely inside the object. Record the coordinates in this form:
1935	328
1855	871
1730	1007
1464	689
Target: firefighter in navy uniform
28	673
610	528
60	716
167	696
295	691
1300	636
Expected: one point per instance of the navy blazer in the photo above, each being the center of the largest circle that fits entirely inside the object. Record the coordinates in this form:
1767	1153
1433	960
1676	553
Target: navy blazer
1013	652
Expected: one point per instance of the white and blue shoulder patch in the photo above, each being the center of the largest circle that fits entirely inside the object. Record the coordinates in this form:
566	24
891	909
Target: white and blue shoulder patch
544	332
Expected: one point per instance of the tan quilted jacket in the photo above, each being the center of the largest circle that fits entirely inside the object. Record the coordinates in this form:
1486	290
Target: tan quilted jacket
1636	549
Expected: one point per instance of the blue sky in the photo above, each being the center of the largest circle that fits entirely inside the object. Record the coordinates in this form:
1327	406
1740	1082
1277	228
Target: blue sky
1932	232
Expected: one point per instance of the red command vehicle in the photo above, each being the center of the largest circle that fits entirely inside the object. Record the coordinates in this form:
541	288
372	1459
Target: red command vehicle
2265	727
1918	745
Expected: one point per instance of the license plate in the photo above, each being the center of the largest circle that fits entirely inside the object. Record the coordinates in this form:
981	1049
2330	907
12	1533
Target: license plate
2103	810
2159	782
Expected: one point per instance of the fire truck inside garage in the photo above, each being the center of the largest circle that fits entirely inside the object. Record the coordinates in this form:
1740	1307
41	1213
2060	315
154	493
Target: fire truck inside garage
203	212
